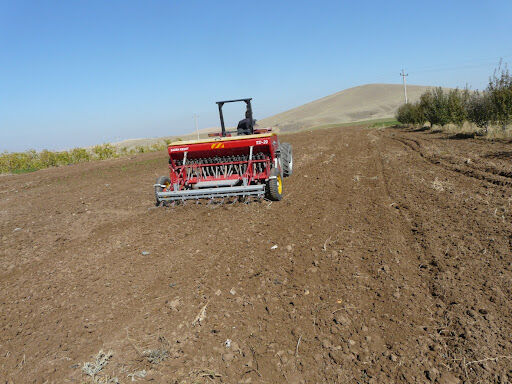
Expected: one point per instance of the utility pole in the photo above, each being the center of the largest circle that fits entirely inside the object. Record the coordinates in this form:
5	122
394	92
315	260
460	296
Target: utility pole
195	124
404	75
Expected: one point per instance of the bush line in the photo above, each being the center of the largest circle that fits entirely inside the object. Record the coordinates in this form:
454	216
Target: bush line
21	162
488	109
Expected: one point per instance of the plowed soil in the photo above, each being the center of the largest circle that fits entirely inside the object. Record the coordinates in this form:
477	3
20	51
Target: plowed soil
393	265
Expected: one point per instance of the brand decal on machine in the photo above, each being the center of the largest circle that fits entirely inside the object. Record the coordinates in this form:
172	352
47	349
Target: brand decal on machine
259	142
179	149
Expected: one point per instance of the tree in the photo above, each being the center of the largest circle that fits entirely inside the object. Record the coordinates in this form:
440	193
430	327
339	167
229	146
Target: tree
456	105
500	96
479	109
440	110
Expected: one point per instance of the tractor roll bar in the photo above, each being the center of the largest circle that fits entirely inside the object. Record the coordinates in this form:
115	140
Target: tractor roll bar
221	104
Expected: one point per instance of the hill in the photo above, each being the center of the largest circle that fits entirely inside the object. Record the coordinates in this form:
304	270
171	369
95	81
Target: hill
365	102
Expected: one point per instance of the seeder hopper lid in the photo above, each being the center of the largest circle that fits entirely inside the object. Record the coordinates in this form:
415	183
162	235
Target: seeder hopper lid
220	139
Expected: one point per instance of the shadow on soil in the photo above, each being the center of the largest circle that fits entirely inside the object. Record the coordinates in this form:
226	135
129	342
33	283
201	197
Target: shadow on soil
499	155
462	136
421	129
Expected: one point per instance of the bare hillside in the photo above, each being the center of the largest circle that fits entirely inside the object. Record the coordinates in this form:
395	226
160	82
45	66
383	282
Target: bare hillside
365	102
370	101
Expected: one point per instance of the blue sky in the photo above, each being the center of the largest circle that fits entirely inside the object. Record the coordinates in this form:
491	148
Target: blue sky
77	73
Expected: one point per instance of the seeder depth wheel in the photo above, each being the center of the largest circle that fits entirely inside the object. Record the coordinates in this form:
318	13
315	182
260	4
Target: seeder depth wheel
162	180
275	185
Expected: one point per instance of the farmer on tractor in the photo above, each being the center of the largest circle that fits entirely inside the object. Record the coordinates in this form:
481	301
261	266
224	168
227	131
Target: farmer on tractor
246	126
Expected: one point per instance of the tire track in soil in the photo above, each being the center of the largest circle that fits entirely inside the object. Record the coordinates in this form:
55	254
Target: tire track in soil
458	326
486	174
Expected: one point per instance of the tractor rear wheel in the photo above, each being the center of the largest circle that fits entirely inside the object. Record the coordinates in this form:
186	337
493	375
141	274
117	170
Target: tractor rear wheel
275	185
286	159
162	180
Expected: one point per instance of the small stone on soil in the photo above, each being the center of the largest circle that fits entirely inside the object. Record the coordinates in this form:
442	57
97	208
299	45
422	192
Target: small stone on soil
228	356
448	378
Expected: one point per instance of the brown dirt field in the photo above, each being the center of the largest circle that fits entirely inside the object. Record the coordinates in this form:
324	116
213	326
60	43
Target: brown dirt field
393	265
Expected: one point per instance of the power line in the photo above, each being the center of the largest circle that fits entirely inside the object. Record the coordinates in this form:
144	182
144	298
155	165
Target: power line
469	64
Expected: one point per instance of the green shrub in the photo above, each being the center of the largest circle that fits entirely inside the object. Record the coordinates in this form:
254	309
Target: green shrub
500	96
4	162
105	151
457	106
79	155
410	114
479	109
47	159
434	103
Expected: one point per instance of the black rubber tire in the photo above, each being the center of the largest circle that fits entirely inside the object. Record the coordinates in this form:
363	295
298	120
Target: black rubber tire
162	180
286	159
275	185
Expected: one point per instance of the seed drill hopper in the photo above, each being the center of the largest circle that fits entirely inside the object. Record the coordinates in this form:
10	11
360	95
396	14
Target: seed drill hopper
233	165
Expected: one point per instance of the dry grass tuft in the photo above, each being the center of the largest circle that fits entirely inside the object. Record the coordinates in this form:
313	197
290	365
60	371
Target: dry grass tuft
94	367
157	355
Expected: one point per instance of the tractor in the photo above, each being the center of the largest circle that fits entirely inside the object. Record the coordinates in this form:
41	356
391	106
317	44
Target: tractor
248	163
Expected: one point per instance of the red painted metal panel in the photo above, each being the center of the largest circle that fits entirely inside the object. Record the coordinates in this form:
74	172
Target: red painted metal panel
192	173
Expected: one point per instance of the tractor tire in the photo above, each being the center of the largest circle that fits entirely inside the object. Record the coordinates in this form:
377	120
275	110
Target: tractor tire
286	159
275	185
162	180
